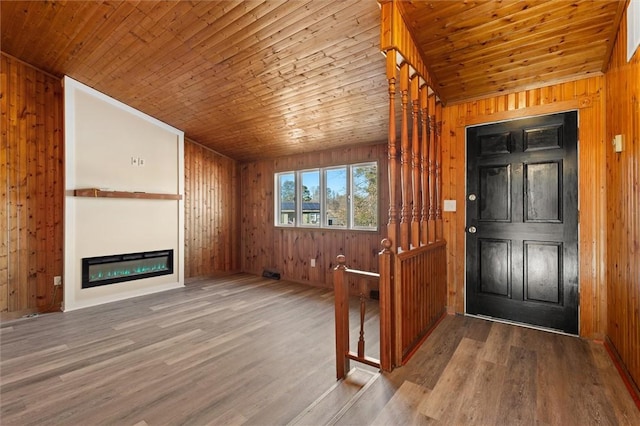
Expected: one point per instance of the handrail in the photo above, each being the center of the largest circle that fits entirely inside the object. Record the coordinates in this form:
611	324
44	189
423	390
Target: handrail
412	289
343	353
418	251
363	274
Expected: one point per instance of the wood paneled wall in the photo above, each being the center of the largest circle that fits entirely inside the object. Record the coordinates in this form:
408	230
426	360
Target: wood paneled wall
31	185
211	206
289	250
586	96
623	205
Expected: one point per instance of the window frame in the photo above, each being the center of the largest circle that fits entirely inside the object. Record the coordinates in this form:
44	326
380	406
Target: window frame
325	223
352	197
278	196
299	205
322	223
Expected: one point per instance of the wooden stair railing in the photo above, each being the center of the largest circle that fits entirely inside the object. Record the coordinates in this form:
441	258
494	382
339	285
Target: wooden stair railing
341	289
413	291
413	272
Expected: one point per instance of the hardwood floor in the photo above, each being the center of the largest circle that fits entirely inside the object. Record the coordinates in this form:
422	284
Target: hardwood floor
247	350
476	372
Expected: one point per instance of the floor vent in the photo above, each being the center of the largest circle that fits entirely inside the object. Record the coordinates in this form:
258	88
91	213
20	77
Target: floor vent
271	274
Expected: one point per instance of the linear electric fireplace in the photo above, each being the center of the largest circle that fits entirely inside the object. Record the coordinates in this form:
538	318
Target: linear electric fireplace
103	270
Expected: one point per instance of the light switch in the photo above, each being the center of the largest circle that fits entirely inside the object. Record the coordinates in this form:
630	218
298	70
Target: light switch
617	143
449	205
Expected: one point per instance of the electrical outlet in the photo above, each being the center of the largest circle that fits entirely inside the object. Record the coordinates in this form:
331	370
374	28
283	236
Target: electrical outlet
57	280
140	161
313	263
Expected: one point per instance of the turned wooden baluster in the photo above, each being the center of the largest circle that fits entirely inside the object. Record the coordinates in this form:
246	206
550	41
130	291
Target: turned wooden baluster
424	168
387	341
438	196
392	226
432	170
341	294
363	308
415	162
405	159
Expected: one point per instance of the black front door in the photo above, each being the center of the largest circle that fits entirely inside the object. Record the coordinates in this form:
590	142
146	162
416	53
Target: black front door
522	221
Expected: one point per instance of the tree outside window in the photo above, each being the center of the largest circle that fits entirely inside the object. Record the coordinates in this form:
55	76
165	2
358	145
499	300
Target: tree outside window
365	195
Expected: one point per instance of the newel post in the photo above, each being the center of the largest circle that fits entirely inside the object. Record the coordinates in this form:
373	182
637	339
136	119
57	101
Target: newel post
341	294
386	279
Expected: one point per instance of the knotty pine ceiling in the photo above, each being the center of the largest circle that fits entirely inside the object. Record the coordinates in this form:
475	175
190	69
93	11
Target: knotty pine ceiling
258	79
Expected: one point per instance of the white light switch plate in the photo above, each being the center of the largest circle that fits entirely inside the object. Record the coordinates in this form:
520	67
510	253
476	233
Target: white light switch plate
449	205
617	143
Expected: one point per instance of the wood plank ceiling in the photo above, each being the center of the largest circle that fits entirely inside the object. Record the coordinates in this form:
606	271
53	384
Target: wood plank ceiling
479	48
255	78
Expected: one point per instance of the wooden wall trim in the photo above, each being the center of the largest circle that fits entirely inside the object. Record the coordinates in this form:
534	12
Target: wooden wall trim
628	380
569	105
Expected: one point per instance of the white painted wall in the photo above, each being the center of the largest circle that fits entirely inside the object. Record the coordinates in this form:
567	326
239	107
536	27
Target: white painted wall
101	137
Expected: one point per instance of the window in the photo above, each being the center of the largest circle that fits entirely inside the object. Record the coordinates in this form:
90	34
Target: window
336	201
332	197
310	181
286	185
364	190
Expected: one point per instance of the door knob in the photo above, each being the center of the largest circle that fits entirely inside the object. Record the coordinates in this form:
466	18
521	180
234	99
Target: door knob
472	197
472	230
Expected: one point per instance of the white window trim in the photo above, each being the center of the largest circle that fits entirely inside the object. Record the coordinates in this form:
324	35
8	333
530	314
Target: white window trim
322	223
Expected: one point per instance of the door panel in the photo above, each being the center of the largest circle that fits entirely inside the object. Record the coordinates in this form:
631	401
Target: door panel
495	261
543	189
495	193
544	137
543	281
522	253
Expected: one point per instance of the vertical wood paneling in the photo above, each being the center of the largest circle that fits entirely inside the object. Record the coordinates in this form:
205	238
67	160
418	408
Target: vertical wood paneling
4	186
31	194
584	95
289	250
211	204
259	242
623	205
420	294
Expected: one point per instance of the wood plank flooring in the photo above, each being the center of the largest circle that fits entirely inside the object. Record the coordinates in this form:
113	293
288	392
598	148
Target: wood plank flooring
476	372
247	350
